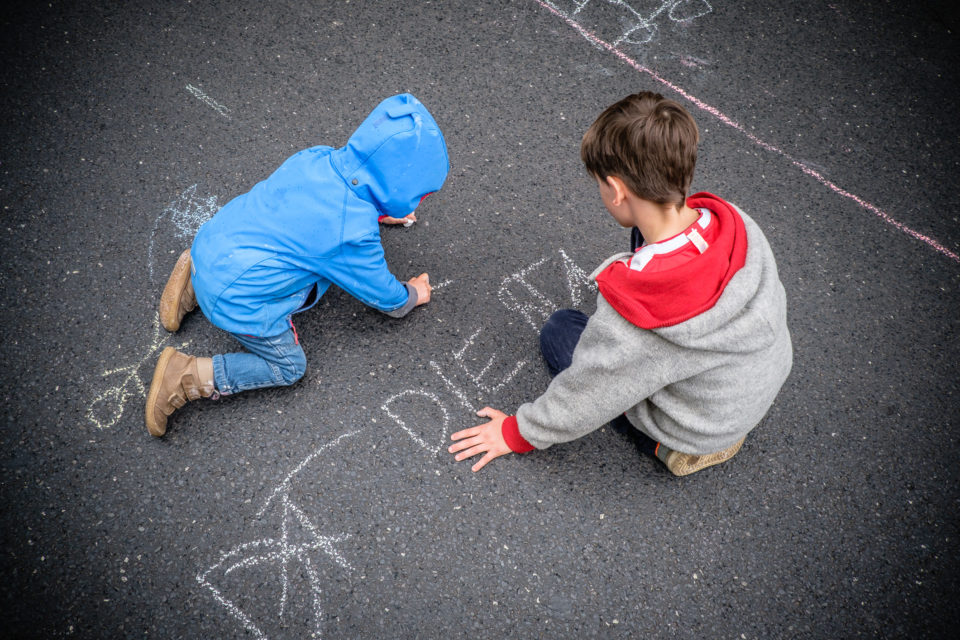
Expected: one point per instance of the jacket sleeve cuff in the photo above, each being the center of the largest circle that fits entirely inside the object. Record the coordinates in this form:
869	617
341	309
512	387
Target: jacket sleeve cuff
405	308
511	435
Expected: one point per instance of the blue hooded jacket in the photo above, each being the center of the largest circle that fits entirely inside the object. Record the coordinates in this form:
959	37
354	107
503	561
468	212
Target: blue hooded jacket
314	221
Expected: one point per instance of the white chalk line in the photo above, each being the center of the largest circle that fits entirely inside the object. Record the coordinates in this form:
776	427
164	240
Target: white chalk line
285	483
210	102
646	25
577	278
441	285
453	388
279	552
233	609
805	168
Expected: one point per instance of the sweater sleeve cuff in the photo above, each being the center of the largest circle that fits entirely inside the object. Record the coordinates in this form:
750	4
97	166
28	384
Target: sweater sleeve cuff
511	434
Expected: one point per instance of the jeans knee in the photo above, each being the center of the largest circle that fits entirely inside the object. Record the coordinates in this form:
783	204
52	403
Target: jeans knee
293	367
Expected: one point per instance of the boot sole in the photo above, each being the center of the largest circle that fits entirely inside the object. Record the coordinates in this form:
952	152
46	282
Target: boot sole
685	468
170	299
155	384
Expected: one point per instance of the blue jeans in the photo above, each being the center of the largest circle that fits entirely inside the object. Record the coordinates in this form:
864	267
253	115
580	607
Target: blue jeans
558	338
271	362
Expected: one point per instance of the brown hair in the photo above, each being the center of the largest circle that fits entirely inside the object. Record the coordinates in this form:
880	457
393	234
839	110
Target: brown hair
647	141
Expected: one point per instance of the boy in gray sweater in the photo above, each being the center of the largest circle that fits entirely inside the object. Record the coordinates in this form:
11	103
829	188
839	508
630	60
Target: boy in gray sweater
689	344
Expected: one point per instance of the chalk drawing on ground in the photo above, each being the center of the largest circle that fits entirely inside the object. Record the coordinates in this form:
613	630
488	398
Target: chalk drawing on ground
300	542
410	429
637	26
612	46
186	214
207	100
107	408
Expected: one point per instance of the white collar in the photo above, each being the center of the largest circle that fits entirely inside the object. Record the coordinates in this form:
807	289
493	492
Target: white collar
646	253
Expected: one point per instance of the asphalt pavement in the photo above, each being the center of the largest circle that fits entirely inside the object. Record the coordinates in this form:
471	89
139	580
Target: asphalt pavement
331	509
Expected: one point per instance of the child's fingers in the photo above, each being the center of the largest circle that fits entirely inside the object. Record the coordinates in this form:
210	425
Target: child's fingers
491	413
472	451
483	462
464	444
466	433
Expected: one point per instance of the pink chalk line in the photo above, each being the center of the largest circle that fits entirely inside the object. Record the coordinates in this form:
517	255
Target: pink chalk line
735	125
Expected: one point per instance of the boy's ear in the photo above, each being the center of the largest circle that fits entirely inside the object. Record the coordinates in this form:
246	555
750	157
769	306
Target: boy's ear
619	189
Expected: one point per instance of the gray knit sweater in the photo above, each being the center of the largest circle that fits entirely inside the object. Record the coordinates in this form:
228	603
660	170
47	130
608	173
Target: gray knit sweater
697	387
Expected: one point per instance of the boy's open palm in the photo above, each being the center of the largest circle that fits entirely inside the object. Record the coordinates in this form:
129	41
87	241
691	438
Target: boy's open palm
485	438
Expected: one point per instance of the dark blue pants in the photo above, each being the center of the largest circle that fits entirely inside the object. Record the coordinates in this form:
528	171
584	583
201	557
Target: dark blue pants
558	338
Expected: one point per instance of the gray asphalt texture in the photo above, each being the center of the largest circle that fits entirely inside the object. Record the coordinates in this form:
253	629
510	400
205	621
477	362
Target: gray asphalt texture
331	509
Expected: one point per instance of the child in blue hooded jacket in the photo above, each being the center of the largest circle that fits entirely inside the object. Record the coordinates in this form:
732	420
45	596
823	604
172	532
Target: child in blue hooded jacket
275	250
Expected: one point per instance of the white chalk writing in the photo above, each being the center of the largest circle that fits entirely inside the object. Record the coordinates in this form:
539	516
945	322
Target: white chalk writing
478	377
521	292
534	307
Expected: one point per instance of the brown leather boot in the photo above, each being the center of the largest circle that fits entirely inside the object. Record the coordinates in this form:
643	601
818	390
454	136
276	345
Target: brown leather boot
177	379
683	464
178	298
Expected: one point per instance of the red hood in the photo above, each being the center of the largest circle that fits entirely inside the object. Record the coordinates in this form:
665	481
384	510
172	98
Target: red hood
665	298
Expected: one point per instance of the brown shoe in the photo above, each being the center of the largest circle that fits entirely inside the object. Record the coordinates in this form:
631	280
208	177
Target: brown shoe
177	379
178	298
683	464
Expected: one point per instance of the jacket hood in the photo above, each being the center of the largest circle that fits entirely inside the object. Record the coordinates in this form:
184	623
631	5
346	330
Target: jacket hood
395	157
666	298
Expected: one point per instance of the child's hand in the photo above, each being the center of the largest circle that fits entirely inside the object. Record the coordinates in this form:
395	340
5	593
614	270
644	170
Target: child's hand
422	284
406	221
485	438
